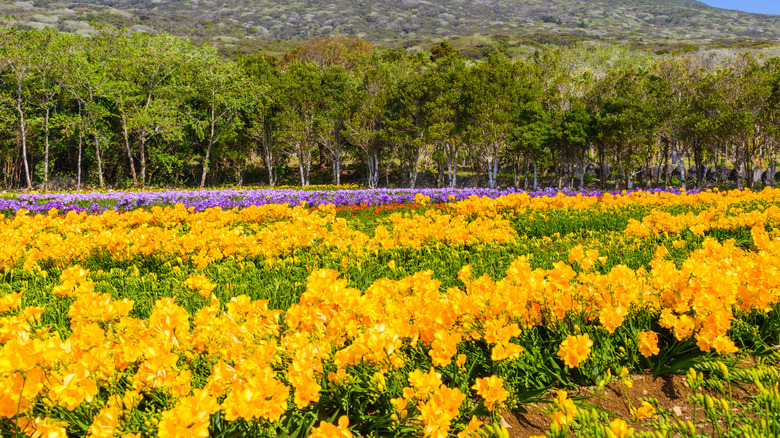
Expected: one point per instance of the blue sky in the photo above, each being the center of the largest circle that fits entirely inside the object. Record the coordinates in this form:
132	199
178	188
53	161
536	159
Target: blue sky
759	6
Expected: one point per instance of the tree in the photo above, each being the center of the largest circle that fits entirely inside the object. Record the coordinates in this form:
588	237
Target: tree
49	73
675	85
86	81
262	106
625	121
532	132
367	106
302	103
328	51
488	103
443	85
575	132
19	59
151	71
406	118
338	87
219	87
770	115
742	93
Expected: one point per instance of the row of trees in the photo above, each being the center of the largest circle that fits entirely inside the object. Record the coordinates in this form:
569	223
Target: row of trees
154	109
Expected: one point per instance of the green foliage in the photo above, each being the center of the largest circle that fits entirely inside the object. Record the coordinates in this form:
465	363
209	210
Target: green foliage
158	110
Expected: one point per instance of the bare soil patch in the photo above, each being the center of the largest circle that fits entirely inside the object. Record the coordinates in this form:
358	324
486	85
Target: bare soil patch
671	391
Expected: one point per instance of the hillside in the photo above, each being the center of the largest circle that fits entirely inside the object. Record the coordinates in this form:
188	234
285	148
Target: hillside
273	23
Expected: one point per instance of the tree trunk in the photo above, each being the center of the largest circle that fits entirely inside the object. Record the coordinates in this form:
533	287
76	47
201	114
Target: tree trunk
664	156
206	165
667	174
46	145
208	148
738	168
373	171
304	163
337	169
413	172
602	177
271	175
454	177
492	171
299	155
439	172
525	176
270	164
648	175
23	129
536	174
143	161
697	161
99	160
78	178
572	172
129	153
450	172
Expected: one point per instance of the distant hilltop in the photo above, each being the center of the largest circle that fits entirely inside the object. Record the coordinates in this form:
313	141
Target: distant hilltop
276	25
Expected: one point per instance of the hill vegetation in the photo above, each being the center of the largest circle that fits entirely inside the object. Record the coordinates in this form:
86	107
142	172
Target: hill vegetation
516	25
116	110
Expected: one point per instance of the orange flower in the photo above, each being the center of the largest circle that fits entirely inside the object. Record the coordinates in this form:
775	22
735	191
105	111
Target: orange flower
646	410
575	349
492	390
619	429
11	302
327	430
76	387
190	417
444	347
105	423
439	411
502	351
423	384
566	409
201	284
724	345
648	343
43	427
473	426
261	396
612	317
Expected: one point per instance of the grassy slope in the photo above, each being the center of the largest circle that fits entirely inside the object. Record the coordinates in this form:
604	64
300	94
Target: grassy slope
274	24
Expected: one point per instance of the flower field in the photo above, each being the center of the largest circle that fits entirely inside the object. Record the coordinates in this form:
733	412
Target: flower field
201	200
409	320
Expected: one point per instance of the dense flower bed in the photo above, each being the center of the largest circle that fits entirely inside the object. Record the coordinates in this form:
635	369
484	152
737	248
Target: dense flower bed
200	200
169	322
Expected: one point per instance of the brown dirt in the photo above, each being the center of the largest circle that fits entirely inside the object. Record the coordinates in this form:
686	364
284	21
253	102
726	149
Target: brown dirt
671	391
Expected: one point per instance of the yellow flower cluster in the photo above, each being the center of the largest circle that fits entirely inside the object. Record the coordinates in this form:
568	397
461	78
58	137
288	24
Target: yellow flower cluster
575	349
336	324
721	216
261	370
492	390
268	231
520	203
